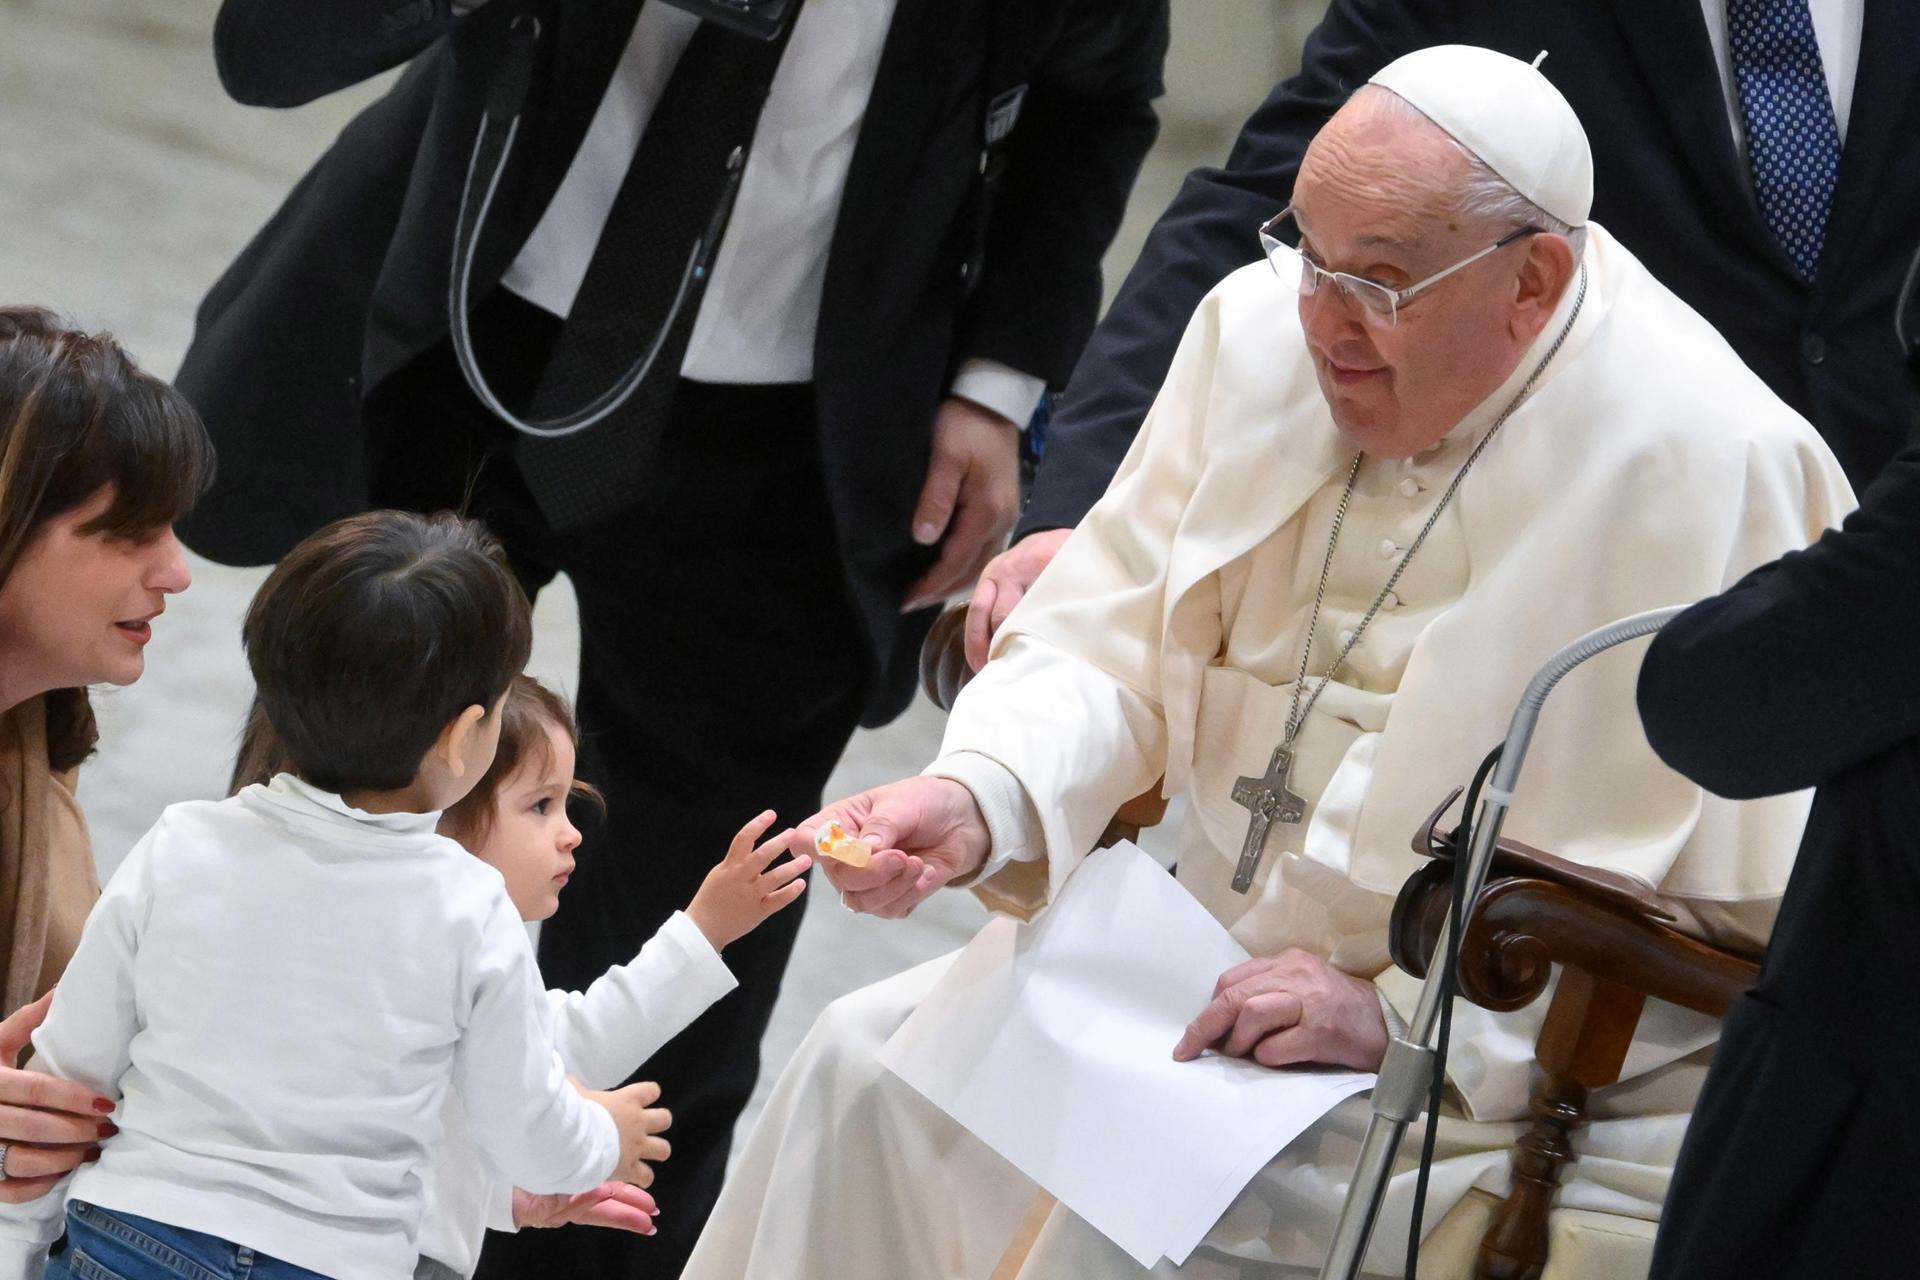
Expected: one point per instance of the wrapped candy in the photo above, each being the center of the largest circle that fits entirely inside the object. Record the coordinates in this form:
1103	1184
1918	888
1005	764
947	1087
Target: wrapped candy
832	841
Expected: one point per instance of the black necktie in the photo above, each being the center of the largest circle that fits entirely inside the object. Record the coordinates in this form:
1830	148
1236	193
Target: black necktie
678	187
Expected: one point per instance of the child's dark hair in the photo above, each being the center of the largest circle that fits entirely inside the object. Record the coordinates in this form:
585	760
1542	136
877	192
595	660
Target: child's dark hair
373	635
529	711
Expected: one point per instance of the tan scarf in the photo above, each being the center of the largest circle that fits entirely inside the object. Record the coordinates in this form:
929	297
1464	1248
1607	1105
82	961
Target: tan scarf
47	877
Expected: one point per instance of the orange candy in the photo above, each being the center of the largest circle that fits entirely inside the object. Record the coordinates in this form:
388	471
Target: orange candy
832	841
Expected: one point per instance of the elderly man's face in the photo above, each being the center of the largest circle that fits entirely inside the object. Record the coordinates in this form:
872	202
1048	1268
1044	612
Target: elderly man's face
1374	199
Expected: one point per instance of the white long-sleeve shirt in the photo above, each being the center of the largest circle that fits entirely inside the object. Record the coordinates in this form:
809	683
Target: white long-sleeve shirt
279	989
602	1035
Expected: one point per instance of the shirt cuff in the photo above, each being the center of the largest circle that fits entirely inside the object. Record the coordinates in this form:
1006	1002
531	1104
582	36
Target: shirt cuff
500	1206
705	971
1013	829
1000	389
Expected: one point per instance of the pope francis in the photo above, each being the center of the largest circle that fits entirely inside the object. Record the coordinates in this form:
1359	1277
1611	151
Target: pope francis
1461	428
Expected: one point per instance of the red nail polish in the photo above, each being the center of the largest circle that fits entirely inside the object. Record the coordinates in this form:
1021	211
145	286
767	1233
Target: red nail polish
108	1128
93	1153
103	1106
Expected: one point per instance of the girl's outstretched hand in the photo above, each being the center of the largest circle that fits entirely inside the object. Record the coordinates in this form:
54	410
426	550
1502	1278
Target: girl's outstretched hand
746	887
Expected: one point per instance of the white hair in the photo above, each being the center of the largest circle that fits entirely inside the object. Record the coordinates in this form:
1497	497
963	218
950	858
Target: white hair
1484	194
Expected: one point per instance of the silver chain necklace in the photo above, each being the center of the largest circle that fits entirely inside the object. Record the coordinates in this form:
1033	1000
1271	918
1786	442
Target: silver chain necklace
1266	797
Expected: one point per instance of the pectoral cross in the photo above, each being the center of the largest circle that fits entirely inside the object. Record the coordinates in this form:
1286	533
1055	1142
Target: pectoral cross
1269	801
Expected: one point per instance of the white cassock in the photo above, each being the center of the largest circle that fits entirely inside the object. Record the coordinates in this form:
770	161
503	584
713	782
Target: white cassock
1647	467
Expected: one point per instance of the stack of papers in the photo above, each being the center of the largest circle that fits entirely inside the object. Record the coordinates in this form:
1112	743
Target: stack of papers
1053	1044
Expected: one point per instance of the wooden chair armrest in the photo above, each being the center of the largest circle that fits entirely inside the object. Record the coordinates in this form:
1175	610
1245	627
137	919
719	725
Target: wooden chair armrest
1522	926
943	658
1614	954
1512	858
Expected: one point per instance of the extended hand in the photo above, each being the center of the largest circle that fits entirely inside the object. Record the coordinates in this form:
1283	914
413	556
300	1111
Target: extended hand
50	1126
970	500
745	887
611	1204
1002	583
926	831
1287	1009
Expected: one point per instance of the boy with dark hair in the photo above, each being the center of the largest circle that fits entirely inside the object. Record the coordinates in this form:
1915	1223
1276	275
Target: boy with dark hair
280	987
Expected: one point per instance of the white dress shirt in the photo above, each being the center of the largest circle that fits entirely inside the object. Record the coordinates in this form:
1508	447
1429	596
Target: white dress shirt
602	1035
1836	29
279	989
761	308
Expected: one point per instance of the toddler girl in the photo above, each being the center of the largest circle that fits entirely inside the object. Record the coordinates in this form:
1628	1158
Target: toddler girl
515	820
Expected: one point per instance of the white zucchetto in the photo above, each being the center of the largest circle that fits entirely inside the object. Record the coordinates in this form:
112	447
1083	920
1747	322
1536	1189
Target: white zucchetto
1509	115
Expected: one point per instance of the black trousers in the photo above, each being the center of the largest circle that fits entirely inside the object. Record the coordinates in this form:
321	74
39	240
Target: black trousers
715	681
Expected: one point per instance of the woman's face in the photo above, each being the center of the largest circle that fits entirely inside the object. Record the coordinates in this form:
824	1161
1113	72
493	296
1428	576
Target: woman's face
531	841
78	608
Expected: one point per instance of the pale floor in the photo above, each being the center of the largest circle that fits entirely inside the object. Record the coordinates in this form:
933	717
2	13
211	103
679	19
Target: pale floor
128	180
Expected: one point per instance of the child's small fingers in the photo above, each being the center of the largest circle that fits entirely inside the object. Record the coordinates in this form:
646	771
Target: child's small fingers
771	849
788	841
782	896
745	839
774	877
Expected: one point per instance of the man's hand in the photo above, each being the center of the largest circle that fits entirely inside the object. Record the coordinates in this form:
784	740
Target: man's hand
1288	1009
611	1204
925	832
970	500
50	1126
1002	583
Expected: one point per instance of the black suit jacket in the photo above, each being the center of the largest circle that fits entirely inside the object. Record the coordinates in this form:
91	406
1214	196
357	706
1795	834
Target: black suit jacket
1641	76
348	281
1800	1157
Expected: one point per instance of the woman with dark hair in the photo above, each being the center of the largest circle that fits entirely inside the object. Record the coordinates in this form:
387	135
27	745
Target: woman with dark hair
97	461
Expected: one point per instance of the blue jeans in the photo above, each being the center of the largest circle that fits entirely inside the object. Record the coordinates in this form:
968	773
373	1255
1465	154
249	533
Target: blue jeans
104	1245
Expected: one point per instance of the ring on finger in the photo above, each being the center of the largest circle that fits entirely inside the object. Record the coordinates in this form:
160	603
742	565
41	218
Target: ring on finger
3	1161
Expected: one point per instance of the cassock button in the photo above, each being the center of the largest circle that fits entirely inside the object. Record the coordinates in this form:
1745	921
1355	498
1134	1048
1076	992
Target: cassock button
1387	550
1814	348
1409	488
1392	601
1346	638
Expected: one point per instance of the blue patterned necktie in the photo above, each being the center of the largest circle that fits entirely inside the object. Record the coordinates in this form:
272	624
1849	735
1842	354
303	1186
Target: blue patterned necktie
1792	141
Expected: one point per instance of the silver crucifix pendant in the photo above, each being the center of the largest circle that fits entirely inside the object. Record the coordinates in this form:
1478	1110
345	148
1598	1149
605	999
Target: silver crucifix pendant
1268	799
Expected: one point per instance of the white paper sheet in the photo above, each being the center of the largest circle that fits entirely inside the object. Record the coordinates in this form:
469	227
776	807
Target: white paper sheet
1053	1044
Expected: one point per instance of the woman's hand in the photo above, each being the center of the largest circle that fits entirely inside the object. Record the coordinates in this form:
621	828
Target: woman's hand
611	1204
50	1126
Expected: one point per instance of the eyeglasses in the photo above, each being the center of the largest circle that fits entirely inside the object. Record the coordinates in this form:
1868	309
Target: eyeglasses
1380	304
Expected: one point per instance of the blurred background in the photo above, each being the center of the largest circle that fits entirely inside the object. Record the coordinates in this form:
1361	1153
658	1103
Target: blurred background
128	181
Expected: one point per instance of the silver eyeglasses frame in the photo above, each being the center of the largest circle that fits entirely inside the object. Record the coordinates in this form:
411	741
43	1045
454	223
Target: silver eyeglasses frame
1378	302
